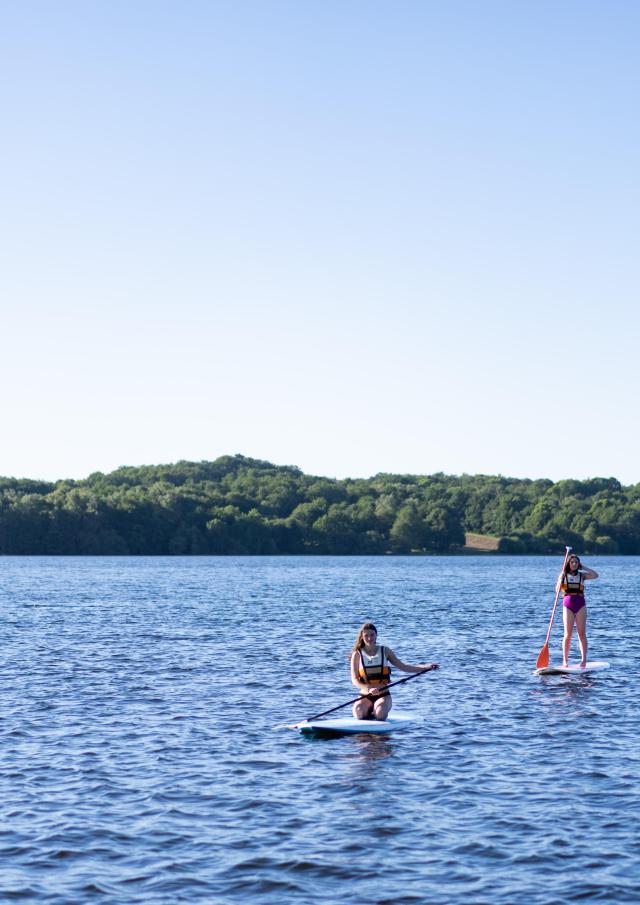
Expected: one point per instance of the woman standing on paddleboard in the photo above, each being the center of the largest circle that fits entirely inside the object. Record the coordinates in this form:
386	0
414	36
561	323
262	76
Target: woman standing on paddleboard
370	673
574	608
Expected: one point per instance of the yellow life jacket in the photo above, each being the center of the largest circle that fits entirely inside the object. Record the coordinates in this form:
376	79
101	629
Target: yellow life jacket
375	671
573	584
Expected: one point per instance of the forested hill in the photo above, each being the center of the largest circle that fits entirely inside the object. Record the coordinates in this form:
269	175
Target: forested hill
237	505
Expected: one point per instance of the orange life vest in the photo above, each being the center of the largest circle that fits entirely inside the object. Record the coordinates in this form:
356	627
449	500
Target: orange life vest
375	671
573	584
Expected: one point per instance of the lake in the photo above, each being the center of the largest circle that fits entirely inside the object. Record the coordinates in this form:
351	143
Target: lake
139	760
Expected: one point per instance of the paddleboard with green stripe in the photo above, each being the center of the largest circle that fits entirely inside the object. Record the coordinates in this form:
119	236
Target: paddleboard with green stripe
574	669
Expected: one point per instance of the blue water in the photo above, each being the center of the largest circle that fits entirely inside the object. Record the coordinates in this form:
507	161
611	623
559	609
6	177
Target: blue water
139	763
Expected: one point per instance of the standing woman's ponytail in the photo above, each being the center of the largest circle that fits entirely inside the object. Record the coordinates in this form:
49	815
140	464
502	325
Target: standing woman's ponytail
573	556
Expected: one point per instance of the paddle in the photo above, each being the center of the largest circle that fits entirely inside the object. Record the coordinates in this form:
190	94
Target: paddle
360	696
543	656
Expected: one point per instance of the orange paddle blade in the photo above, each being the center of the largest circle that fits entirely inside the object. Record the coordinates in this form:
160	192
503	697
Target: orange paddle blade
543	657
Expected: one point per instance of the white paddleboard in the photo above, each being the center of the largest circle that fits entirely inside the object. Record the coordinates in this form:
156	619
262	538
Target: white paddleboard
349	724
574	669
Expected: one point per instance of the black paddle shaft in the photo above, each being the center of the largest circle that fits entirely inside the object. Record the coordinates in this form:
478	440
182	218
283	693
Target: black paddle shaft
371	697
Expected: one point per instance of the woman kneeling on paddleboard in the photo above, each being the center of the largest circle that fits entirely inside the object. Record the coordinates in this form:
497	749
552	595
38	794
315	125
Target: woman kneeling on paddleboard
370	673
574	608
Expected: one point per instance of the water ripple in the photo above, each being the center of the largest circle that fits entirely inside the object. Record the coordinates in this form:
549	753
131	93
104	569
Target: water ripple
139	763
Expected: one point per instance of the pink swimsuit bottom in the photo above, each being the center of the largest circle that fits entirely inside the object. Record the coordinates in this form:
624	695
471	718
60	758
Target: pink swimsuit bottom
574	602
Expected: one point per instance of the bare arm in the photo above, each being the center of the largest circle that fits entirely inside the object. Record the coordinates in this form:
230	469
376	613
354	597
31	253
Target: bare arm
408	667
588	574
355	678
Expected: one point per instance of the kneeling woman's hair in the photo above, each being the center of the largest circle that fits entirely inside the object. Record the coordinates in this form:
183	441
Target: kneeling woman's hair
367	627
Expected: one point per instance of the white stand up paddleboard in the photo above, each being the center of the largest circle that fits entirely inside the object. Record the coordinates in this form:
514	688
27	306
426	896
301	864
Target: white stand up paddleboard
574	669
349	724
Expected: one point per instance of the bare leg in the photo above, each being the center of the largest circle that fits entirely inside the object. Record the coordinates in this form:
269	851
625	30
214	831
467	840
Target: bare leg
581	626
381	707
363	709
568	617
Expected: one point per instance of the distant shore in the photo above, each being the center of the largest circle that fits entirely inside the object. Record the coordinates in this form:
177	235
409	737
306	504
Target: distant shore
236	505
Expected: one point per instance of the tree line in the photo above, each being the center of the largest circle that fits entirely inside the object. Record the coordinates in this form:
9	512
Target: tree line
237	505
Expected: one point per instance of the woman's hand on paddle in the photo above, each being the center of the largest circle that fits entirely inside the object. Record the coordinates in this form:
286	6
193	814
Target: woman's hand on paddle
375	691
429	666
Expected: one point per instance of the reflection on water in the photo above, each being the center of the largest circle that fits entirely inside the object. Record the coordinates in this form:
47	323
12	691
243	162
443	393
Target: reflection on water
359	748
367	749
569	694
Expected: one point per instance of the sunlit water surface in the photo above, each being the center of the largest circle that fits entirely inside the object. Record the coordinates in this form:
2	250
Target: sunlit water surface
139	760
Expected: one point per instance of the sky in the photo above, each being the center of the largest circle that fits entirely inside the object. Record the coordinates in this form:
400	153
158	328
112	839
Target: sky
349	235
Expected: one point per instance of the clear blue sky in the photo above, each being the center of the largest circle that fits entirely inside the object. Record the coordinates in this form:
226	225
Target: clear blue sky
350	235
